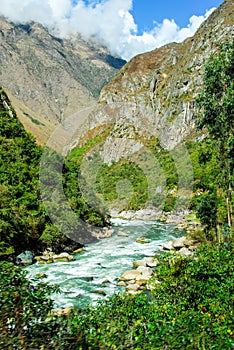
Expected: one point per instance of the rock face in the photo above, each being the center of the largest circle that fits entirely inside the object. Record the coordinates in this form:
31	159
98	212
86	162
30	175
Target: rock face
48	79
153	95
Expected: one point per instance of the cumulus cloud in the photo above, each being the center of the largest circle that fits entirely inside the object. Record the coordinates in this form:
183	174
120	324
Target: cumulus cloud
110	20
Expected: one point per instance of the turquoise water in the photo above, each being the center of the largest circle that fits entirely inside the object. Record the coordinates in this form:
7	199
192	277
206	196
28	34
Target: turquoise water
102	263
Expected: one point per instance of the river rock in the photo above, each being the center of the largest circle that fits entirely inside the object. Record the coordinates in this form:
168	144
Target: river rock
147	261
122	234
168	245
121	284
141	281
87	278
142	240
99	291
25	258
138	263
179	242
130	275
132	286
151	262
43	259
143	277
185	252
61	312
77	251
41	275
145	270
63	257
106	281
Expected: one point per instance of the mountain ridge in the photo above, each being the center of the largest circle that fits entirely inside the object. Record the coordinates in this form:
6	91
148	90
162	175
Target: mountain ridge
48	78
154	94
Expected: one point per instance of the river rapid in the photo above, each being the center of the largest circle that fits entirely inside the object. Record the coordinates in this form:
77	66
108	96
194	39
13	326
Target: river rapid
94	273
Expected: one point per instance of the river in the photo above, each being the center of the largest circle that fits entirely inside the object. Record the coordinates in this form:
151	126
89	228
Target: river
97	269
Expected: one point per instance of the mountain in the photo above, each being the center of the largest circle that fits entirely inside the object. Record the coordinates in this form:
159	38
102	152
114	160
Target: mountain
47	78
153	95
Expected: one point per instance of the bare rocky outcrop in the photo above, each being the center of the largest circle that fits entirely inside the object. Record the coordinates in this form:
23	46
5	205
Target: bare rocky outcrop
153	95
47	78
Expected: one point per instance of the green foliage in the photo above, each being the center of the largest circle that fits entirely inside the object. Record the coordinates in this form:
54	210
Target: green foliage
21	215
216	105
23	219
191	308
26	316
109	177
207	211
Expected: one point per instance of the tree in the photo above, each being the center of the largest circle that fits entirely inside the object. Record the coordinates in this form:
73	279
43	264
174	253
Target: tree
216	105
207	212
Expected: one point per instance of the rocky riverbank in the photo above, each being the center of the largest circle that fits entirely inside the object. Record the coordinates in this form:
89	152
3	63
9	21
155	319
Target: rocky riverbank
138	279
182	219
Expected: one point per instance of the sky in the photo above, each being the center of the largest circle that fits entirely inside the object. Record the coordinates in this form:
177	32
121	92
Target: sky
125	27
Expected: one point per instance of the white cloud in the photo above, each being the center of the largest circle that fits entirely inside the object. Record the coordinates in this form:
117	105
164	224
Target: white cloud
110	20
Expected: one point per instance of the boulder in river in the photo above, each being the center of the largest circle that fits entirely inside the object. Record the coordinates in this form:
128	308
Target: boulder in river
142	240
25	258
185	252
99	291
147	261
51	257
132	286
146	271
77	251
168	245
130	275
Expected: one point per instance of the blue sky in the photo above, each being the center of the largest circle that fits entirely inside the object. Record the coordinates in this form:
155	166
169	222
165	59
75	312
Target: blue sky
125	27
145	12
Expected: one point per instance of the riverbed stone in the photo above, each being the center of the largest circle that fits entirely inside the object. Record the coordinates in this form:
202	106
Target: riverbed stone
168	245
25	258
145	270
41	275
130	275
99	291
132	286
43	259
138	263
122	234
185	252
121	284
142	240
62	257
77	251
179	242
143	277
151	262
141	281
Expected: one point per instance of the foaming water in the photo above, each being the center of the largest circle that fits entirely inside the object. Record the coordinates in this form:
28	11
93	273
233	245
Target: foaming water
94	273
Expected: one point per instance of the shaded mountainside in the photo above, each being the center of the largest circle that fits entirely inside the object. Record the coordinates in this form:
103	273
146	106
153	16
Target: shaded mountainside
154	94
48	79
24	222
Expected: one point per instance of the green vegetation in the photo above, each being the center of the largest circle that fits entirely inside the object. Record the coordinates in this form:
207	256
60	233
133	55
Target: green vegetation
191	308
216	103
24	223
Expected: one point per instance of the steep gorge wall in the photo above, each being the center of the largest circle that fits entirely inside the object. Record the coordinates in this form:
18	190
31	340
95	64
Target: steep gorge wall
154	94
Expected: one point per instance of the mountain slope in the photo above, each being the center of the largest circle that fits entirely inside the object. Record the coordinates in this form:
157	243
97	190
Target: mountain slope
48	79
154	94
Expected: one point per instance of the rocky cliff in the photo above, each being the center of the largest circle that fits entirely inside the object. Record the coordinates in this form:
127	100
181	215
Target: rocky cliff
153	95
48	79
